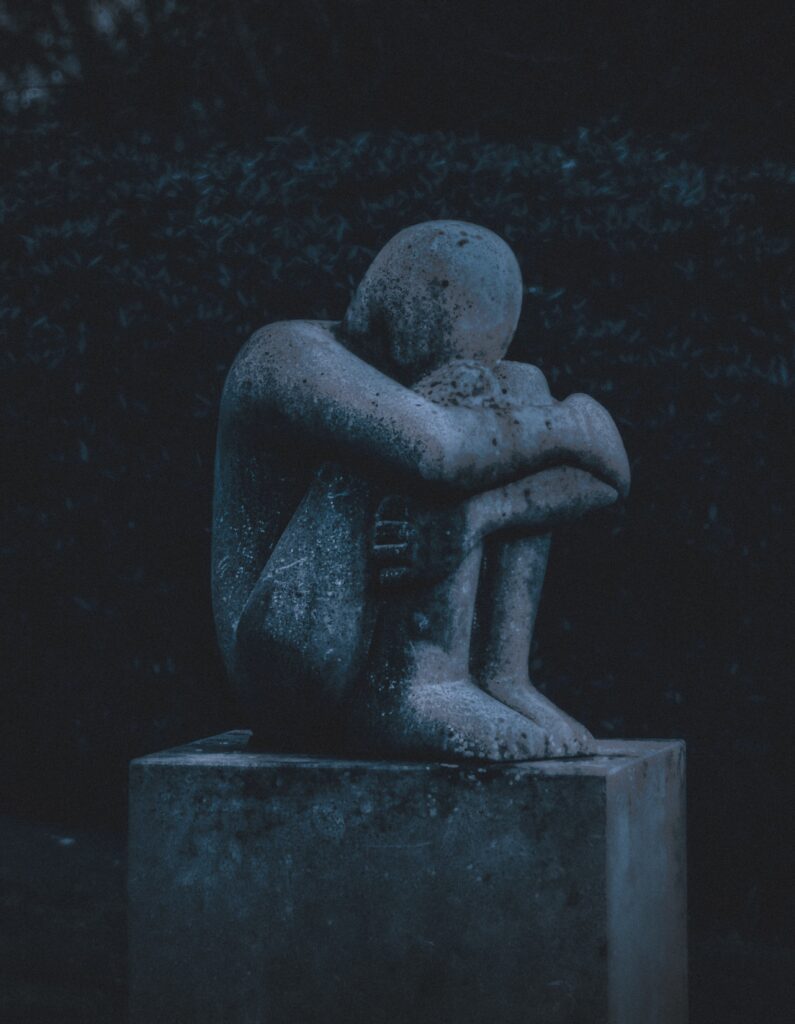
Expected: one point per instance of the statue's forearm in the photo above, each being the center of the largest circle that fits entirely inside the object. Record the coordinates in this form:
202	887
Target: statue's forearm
487	447
352	413
538	502
509	444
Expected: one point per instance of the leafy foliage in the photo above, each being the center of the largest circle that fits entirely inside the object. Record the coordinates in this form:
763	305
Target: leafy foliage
193	66
657	279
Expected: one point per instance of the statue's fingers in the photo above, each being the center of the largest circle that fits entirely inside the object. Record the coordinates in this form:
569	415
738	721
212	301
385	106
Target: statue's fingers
392	531
392	554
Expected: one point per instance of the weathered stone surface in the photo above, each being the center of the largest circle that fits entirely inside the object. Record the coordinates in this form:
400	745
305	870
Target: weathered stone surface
294	890
383	483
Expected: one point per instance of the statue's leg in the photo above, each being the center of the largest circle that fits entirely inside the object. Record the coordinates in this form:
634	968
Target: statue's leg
417	696
510	591
302	638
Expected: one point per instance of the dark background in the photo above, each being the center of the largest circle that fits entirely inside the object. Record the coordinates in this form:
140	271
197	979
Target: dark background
177	174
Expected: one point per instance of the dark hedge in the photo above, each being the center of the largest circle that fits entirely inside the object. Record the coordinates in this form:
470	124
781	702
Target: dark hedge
194	66
657	279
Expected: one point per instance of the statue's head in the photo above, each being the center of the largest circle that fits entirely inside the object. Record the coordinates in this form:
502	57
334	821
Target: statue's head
437	291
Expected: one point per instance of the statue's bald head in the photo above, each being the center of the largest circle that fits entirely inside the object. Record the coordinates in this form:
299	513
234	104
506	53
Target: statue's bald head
437	291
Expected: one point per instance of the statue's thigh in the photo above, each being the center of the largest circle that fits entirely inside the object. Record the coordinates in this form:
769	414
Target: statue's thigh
320	600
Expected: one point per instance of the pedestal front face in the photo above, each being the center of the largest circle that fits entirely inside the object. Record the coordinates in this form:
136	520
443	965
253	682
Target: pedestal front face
293	890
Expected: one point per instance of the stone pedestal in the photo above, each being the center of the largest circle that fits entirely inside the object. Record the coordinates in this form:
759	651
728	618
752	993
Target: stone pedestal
295	890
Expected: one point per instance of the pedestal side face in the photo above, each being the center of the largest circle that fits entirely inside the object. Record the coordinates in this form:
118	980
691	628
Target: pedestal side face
286	890
647	888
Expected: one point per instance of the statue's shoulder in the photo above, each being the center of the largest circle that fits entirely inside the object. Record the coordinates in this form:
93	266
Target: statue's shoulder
269	341
255	368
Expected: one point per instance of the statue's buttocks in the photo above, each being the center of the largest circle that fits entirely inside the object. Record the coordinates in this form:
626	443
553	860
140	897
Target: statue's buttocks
379	479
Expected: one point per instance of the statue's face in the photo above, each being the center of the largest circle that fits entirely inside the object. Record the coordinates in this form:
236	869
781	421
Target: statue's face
438	291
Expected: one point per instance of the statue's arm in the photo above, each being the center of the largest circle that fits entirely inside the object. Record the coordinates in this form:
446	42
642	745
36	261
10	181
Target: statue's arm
412	542
586	423
537	503
299	376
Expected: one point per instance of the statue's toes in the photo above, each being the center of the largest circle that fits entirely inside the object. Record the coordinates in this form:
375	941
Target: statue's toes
585	740
578	739
555	745
566	739
510	737
527	742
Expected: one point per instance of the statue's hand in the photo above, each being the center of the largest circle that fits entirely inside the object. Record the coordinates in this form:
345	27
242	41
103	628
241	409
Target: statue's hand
596	439
412	542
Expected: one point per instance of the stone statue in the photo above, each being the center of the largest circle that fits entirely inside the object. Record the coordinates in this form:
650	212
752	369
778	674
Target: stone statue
385	491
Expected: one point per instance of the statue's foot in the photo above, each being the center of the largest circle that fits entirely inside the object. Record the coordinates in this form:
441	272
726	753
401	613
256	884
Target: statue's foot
563	736
452	720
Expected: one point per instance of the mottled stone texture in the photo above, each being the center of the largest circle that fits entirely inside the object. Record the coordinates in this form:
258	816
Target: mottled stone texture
292	890
386	488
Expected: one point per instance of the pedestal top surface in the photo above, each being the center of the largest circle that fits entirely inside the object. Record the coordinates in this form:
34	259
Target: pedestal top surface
233	749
